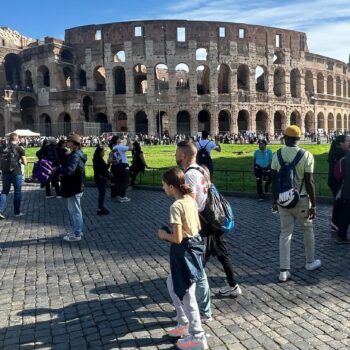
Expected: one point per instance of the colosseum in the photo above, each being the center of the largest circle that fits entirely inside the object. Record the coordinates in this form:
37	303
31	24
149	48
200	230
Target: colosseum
172	76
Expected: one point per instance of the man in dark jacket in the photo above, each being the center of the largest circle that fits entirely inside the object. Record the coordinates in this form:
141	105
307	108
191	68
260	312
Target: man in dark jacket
72	175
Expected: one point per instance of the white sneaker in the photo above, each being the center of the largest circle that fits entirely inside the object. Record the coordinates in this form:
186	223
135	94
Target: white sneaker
72	238
58	196
206	319
313	265
18	215
125	199
178	331
2	217
284	276
49	196
193	342
231	291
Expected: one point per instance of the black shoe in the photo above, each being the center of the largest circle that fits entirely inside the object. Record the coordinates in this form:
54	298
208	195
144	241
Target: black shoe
340	240
102	211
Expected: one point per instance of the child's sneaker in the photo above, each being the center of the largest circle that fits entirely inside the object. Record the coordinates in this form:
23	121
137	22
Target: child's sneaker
234	291
193	342
178	331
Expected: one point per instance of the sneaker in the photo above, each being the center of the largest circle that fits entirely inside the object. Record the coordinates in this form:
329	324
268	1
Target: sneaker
206	319
58	196
284	276
2	217
18	215
193	342
339	240
125	199
334	227
49	196
178	331
72	238
313	265
231	291
103	211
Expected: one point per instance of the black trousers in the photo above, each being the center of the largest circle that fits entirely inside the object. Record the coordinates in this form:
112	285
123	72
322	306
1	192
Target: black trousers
262	174
120	179
337	205
101	187
53	180
344	218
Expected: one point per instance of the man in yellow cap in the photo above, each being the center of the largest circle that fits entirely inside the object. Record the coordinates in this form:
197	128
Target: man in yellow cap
294	196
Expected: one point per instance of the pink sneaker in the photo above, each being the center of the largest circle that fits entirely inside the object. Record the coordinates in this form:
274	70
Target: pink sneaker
193	342
178	331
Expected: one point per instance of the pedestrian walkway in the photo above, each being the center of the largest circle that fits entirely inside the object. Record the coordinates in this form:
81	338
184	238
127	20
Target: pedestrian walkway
108	291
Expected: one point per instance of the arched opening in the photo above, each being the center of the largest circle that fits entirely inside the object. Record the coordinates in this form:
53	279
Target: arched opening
309	83
330	85
278	58
330	122
101	118
183	123
309	122
67	127
320	120
67	56
28	80
345	122
140	79
344	88
320	83
339	122
201	54
119	57
295	83
338	86
279	122
204	120
295	119
45	120
349	88
141	122
261	83
121	121
119	81
223	79
182	76
87	108
162	77
162	120
243	121
100	78
68	77
279	82
261	121
243	77
43	77
28	105
2	126
203	80
82	79
224	121
12	64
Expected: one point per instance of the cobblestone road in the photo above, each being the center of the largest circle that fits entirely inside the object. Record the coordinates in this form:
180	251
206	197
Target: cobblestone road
109	292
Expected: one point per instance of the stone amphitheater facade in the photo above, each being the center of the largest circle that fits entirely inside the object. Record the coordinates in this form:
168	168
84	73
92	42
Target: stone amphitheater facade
172	76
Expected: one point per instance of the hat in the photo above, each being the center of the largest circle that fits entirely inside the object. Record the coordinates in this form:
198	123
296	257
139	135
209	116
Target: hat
262	141
292	131
74	138
51	140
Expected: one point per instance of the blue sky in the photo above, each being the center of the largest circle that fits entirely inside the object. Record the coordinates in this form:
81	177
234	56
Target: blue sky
327	23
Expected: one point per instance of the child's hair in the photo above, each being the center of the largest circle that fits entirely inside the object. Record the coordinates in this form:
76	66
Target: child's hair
176	178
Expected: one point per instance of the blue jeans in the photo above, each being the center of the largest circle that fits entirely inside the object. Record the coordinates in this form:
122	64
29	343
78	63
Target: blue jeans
76	215
203	295
7	181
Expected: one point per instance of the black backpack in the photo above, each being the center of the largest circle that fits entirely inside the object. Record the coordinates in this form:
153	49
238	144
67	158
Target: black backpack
203	156
9	158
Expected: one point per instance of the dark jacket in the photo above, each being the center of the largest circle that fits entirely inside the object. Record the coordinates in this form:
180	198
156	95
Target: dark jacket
333	156
186	264
346	183
100	169
49	152
73	174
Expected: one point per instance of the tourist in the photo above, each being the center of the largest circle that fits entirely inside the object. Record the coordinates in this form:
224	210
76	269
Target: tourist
138	164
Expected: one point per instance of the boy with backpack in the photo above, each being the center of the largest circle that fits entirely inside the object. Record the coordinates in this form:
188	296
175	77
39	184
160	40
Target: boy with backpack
204	147
294	196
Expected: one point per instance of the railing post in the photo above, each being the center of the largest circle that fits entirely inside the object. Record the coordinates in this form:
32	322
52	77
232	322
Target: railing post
226	189
243	181
153	176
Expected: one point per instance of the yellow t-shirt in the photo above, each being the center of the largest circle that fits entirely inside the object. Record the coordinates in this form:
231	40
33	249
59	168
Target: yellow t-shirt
305	165
184	212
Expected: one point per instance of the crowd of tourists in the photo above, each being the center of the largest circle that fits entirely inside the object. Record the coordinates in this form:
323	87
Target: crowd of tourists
192	235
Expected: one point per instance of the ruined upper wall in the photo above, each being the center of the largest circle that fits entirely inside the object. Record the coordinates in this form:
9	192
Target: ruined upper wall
12	38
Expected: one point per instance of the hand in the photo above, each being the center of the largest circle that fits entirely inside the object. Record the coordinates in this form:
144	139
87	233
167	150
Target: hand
161	234
312	213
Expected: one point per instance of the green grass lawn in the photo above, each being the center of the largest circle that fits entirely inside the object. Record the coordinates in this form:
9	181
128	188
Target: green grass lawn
233	165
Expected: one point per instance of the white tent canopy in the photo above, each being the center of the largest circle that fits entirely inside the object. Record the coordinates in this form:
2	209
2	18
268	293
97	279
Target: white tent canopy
24	133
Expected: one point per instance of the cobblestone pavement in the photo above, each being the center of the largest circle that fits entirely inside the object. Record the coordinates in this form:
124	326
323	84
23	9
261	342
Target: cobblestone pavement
108	291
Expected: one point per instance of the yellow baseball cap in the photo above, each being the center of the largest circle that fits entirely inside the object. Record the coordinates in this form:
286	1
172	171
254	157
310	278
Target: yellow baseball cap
292	131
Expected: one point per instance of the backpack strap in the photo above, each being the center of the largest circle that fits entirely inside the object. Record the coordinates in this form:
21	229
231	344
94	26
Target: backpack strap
279	157
201	170
203	147
297	158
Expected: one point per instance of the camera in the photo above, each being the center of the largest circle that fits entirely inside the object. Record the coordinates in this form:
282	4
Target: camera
166	229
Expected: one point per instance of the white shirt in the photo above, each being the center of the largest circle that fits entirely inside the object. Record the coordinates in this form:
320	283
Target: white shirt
119	153
207	144
196	180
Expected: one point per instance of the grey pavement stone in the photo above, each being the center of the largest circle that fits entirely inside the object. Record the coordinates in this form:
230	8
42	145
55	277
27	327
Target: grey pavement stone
108	291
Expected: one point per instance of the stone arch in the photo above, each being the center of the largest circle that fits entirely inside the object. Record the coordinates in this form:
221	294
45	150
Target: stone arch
140	79
119	80
330	85
320	120
67	56
339	122
87	108
45	121
261	79
12	65
278	58
330	122
338	86
295	83
141	122
162	121
183	123
43	77
224	75
243	77
82	79
66	121
201	54
243	120
121	119
100	78
161	72
320	83
309	122
224	121
309	83
204	120
203	80
2	125
345	122
28	107
182	76
68	77
261	121
119	57
28	80
101	118
344	88
295	118
279	121
279	81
